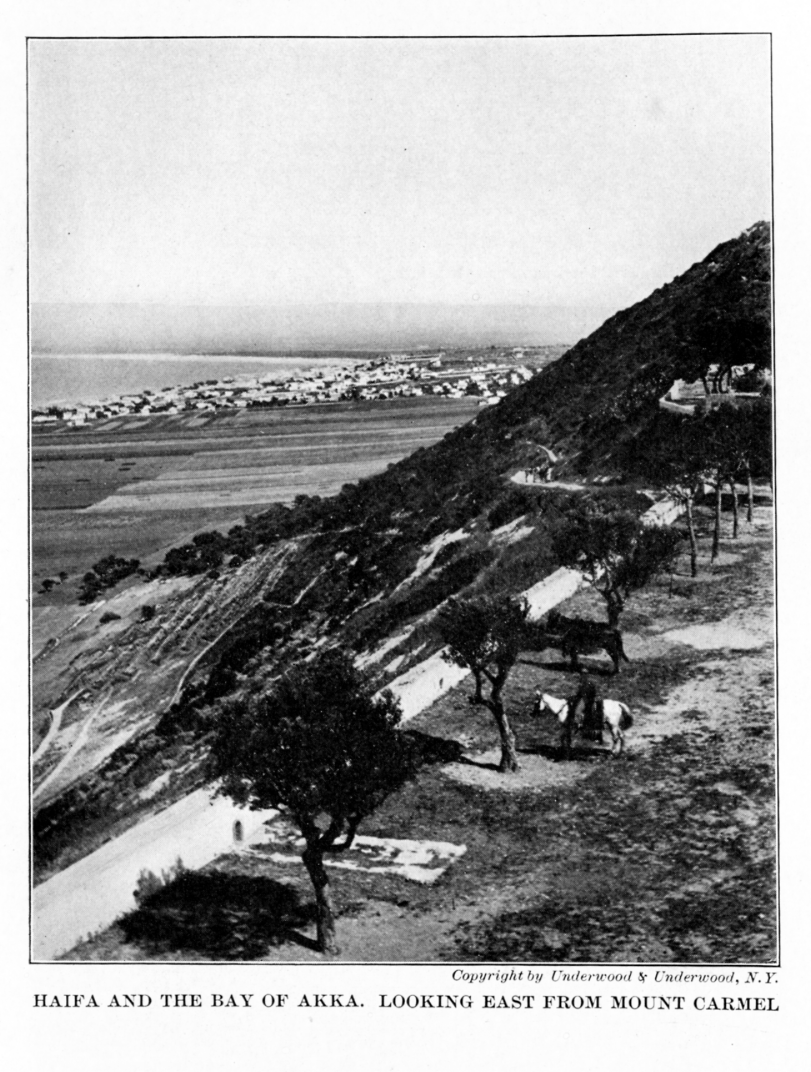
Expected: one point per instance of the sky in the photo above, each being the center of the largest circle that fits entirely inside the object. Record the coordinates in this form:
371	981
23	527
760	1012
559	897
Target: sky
556	171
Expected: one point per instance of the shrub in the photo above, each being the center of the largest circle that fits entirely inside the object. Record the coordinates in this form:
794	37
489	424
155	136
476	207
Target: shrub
149	883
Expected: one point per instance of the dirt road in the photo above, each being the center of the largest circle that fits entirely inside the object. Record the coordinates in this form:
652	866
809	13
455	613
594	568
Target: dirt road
91	893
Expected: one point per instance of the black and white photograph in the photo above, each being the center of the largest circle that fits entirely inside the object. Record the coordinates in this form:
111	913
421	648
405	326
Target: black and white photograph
401	515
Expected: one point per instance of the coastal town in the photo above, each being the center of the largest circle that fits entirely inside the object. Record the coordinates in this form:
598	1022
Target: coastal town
485	375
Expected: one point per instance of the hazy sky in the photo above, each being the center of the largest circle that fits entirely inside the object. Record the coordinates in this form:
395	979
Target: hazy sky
519	171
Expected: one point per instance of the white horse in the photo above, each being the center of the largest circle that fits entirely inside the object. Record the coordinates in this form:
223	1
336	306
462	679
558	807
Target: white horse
564	712
553	704
614	716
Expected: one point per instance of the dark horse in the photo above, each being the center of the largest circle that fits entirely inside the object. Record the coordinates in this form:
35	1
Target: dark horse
571	636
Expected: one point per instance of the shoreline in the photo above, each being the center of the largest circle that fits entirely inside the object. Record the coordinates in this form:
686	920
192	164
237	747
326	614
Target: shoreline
222	383
147	361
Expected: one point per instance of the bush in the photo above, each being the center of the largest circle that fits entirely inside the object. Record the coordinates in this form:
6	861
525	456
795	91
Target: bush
149	883
106	573
511	505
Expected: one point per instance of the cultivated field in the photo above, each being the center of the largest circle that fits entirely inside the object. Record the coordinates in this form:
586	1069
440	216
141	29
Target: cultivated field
132	486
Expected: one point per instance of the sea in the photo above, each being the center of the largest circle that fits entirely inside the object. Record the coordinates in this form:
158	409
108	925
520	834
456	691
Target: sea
70	378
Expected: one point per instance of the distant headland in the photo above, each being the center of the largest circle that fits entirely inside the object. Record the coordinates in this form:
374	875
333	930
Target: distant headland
252	329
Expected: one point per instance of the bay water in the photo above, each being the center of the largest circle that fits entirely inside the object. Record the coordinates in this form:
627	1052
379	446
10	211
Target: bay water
70	378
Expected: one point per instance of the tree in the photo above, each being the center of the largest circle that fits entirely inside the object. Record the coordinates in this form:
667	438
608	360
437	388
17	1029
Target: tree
614	550
734	328
713	431
486	635
676	461
721	433
757	450
321	745
106	573
743	432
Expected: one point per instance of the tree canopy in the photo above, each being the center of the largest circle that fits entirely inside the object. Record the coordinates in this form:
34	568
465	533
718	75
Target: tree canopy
321	745
486	635
614	550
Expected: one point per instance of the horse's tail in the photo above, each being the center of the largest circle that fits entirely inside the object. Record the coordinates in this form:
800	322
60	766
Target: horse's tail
626	718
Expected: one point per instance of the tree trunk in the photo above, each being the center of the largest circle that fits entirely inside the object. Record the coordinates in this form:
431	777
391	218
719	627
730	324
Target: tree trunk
313	859
691	532
706	385
509	756
734	508
716	533
750	495
615	606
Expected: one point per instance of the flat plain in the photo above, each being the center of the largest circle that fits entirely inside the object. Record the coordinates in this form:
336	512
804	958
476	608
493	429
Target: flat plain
133	486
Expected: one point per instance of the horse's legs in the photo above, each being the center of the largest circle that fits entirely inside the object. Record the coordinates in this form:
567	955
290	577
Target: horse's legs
599	723
566	739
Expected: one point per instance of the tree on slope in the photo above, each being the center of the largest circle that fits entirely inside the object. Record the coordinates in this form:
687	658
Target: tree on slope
742	431
321	745
713	432
717	430
732	326
677	463
486	635
616	553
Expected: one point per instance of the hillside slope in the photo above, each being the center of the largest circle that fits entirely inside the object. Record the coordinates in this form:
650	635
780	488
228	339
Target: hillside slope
591	403
375	561
588	406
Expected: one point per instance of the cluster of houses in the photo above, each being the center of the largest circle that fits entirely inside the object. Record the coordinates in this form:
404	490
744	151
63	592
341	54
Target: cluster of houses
395	376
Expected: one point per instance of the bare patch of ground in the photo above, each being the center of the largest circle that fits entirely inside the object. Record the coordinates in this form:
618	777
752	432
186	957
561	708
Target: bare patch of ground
536	772
717	635
420	861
